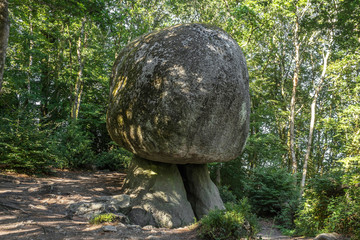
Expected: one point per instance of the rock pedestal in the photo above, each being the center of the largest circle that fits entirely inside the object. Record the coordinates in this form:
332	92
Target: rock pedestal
202	193
178	96
157	194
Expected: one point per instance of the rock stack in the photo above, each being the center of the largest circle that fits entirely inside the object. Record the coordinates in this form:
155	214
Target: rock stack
179	99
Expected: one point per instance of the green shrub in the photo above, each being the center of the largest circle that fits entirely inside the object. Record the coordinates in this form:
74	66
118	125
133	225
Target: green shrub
24	146
71	147
235	222
233	175
270	190
345	215
332	203
319	193
115	159
226	195
286	217
104	218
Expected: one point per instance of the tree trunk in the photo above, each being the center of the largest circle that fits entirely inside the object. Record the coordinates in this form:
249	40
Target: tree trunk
293	96
31	56
312	122
4	36
79	85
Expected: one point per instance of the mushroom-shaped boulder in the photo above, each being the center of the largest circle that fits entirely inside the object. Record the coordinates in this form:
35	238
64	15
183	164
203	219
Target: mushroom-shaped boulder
181	95
179	98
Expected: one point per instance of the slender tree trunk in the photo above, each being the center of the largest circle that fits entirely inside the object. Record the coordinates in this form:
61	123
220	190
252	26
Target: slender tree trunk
4	36
29	69
31	56
312	121
293	96
79	85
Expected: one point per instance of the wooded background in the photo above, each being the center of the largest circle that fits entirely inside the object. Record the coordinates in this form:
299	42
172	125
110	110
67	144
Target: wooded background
303	58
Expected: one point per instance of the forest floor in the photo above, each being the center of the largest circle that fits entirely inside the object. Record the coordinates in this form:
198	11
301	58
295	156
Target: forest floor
36	208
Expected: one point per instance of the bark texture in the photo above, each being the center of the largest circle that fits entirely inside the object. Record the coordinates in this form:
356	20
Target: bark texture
4	36
79	85
312	121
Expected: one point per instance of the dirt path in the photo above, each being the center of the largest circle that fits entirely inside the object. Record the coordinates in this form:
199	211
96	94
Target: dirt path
270	232
36	208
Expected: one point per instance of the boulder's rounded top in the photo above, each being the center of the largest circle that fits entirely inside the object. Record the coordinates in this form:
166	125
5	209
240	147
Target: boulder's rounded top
180	95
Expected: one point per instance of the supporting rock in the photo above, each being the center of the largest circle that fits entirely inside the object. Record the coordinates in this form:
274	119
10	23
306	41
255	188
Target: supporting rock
202	193
158	194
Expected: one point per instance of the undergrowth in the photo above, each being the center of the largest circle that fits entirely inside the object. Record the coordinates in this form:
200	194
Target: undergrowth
235	222
105	218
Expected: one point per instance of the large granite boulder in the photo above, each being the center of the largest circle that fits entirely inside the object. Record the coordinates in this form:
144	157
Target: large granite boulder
179	98
180	95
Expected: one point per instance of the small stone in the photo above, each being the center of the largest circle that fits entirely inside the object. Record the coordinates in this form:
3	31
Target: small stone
150	237
103	198
109	228
121	225
148	227
134	226
29	222
328	236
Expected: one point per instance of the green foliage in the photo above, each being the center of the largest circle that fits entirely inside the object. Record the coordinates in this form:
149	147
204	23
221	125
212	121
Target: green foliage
344	214
71	147
23	146
233	175
320	192
270	190
105	218
226	195
236	222
115	159
331	204
287	215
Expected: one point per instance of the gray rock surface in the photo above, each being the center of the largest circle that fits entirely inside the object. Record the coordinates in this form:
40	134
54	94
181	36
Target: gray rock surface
157	194
181	95
119	204
109	228
202	193
328	236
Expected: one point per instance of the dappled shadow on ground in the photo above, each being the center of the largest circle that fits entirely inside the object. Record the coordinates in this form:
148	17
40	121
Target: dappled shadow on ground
269	231
36	208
